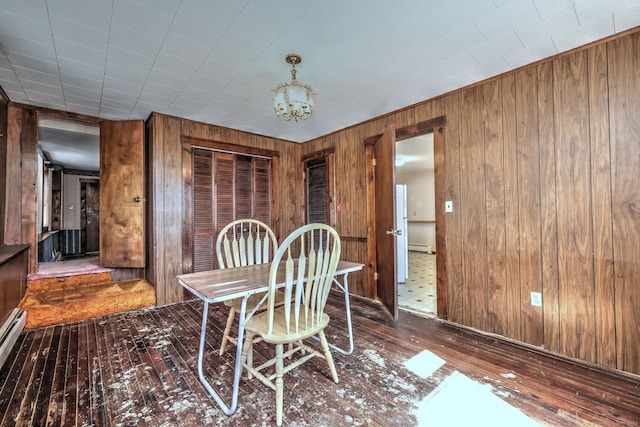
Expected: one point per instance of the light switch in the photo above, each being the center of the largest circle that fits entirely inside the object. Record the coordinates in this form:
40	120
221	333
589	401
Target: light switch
536	299
448	206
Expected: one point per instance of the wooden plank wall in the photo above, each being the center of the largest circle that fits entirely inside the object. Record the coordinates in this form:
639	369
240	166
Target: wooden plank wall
3	160
20	198
542	166
165	195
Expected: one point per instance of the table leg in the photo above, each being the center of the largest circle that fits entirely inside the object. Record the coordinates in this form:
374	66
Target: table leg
347	305
228	410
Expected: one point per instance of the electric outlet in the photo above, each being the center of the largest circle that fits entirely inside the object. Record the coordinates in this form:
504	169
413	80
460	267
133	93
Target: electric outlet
536	299
448	206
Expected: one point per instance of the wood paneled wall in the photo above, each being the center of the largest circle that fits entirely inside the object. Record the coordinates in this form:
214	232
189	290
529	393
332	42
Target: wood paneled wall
542	165
3	160
165	196
20	200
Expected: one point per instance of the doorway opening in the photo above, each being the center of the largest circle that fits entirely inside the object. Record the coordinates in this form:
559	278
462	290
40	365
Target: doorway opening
415	217
68	190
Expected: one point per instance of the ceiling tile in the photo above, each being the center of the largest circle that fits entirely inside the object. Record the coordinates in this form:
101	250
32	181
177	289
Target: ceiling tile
166	79
532	53
206	83
80	81
195	25
81	108
142	19
24	47
547	7
78	100
116	104
126	74
505	19
459	62
560	21
29	29
127	59
627	18
174	45
582	35
33	63
37	76
81	53
15	95
8	75
122	88
133	41
10	85
115	112
82	92
116	96
252	31
81	69
164	7
498	47
155	91
50	98
79	34
35	10
453	16
174	65
91	13
195	94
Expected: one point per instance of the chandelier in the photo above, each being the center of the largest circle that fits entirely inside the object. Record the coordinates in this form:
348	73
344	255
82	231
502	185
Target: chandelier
293	100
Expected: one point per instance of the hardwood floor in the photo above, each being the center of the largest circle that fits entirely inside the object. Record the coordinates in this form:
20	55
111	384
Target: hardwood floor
139	368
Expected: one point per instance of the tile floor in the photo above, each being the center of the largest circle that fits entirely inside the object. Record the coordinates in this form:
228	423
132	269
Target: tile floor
418	292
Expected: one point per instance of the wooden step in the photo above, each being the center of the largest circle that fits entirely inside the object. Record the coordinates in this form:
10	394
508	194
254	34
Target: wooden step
69	282
55	306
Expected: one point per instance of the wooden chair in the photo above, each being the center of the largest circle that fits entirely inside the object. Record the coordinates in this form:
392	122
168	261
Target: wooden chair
306	263
243	242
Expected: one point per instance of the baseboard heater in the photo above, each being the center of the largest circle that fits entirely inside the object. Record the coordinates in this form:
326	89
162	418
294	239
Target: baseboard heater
10	331
420	247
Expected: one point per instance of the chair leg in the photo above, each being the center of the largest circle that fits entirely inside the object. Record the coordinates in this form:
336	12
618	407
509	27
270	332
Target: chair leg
227	330
247	348
279	383
328	356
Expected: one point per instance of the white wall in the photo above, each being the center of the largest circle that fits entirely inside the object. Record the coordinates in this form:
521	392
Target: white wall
421	212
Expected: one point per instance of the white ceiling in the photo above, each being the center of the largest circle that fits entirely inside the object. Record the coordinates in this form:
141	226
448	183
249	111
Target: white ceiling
218	61
69	143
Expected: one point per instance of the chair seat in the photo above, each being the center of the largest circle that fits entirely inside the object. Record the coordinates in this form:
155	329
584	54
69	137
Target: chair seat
259	325
253	300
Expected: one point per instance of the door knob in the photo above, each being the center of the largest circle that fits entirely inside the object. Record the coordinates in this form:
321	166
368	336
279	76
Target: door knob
136	199
394	232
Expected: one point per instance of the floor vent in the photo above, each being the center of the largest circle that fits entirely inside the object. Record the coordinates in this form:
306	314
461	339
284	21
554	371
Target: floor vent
10	331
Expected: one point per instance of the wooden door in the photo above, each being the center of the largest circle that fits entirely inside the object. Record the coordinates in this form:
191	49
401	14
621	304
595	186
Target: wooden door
385	220
122	196
90	216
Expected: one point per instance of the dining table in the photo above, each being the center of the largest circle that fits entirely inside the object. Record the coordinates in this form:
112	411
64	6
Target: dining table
217	286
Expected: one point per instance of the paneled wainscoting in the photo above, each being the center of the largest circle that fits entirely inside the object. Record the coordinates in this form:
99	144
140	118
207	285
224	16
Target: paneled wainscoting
139	368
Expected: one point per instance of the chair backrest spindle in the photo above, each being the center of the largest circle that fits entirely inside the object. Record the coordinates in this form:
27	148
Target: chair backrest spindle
245	242
305	263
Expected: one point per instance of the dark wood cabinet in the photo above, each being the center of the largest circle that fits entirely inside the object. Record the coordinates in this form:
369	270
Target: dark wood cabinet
13	277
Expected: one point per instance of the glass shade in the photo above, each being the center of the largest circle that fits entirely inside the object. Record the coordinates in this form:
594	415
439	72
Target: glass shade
293	101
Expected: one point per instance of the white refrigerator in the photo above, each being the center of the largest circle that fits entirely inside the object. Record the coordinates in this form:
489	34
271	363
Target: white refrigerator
402	241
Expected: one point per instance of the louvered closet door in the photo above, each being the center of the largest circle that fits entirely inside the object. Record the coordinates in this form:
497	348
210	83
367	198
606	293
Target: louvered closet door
226	187
317	203
203	243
